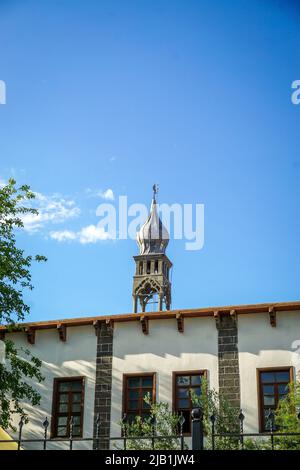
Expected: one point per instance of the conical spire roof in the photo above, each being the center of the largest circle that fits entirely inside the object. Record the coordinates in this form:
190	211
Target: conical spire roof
153	237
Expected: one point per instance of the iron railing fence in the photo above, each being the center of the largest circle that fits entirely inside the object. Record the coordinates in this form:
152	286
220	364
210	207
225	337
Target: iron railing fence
273	434
198	437
96	440
153	437
45	439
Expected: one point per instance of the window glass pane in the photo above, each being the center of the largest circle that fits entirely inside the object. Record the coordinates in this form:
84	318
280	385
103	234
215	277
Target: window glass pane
133	405
76	385
133	394
76	420
196	379
65	386
76	397
62	421
197	391
267	377
268	389
183	392
283	389
147	382
269	400
70	386
61	431
131	418
76	407
76	430
133	382
183	380
283	376
186	428
183	403
63	398
63	408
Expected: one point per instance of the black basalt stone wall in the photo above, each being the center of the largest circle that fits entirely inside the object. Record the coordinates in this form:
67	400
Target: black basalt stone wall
103	384
229	376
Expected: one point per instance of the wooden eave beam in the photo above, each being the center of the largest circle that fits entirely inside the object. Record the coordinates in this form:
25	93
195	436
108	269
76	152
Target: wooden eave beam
272	316
233	315
145	324
97	326
187	313
62	331
30	332
217	317
180	322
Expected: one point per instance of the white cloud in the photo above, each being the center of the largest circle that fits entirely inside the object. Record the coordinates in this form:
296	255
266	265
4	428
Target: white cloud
92	234
108	194
52	209
88	234
63	235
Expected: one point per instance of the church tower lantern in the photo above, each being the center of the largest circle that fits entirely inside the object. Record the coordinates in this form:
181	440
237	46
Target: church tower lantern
151	282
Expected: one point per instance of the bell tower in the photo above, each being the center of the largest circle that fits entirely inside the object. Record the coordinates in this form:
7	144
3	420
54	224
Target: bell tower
151	282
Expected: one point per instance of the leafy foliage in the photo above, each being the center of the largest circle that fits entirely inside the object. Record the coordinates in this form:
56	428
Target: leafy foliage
161	420
13	383
287	420
215	404
15	276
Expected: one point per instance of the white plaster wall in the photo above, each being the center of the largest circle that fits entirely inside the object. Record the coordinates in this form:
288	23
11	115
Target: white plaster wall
163	351
76	356
261	345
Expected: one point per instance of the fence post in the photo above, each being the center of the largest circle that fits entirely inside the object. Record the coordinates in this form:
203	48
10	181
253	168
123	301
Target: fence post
197	429
153	422
97	431
71	432
181	423
271	418
241	419
21	423
124	422
45	426
213	421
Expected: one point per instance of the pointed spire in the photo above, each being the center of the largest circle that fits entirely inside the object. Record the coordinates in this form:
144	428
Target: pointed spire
153	237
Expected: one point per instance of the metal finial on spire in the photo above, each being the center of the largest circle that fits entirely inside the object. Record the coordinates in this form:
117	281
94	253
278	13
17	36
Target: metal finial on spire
155	190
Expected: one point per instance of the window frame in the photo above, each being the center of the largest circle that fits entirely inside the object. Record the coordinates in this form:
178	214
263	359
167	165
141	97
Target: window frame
261	408
125	388
175	374
55	403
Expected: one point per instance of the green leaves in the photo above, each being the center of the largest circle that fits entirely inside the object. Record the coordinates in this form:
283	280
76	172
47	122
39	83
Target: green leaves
14	388
14	264
166	425
15	276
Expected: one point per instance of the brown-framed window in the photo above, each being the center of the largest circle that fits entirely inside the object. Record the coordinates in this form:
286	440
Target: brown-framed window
272	386
135	389
183	383
68	401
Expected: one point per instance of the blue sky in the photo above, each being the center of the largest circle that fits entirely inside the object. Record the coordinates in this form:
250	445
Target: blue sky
194	95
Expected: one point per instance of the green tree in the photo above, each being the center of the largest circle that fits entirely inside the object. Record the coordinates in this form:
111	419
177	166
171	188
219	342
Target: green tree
15	277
